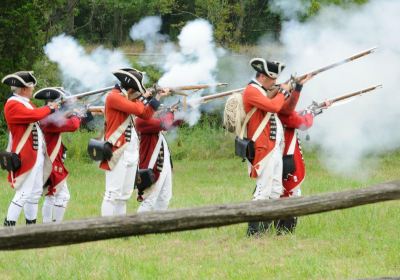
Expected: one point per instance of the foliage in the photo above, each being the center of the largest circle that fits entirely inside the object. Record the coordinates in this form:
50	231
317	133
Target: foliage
26	26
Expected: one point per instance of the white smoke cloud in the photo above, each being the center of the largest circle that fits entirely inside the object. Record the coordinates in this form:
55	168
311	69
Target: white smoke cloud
195	60
148	31
192	62
369	124
82	71
290	8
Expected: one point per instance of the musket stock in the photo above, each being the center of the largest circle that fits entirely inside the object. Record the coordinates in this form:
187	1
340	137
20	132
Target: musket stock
96	109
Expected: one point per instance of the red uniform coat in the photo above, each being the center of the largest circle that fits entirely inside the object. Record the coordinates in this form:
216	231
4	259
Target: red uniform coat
291	121
117	109
18	118
252	97
52	134
149	134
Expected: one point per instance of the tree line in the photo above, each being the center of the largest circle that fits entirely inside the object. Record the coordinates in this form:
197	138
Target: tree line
27	25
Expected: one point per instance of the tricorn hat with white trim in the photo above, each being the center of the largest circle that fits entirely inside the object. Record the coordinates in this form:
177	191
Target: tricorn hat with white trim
20	79
130	78
50	93
270	68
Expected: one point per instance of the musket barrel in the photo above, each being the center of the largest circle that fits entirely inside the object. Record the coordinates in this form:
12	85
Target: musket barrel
347	96
88	93
220	95
333	65
197	87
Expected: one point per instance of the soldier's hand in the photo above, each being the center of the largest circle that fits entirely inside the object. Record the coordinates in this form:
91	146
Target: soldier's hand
163	92
305	79
53	105
286	90
147	94
327	103
285	87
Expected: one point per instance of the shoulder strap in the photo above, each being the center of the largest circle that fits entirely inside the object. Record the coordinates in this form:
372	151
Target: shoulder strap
292	144
56	149
261	127
24	138
246	120
156	151
119	131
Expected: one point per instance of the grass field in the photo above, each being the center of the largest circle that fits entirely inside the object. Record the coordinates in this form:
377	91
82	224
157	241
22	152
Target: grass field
356	243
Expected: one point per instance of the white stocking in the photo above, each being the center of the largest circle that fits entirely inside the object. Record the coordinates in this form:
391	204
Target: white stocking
47	209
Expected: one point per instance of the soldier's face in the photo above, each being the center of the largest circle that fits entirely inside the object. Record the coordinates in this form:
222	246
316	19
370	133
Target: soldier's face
267	82
132	94
27	92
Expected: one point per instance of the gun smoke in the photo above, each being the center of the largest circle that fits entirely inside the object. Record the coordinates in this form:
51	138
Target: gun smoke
82	71
192	61
367	125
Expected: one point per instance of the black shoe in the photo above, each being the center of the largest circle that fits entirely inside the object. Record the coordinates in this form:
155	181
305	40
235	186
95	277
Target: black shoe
255	229
8	223
286	226
267	225
30	222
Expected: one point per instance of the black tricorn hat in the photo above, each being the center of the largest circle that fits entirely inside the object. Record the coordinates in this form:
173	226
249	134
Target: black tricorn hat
51	93
20	79
270	68
130	78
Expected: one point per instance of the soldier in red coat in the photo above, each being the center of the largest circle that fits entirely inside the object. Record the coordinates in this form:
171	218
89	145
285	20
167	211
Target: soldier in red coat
56	189
293	163
155	154
266	131
121	106
27	141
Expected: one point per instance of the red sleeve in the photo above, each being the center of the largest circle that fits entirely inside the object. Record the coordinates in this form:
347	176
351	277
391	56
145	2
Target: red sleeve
148	126
70	125
296	120
137	108
16	113
155	125
290	103
255	98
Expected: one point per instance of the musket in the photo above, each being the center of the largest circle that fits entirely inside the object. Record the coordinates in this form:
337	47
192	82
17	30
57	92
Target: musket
210	97
88	93
312	73
96	109
317	108
197	87
333	65
100	109
178	90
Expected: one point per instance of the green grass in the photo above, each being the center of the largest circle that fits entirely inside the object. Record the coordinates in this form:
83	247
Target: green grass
349	244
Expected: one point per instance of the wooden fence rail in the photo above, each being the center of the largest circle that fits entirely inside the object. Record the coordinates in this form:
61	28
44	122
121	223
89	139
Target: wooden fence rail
72	232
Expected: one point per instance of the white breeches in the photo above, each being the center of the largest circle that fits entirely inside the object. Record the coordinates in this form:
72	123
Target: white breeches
61	196
157	197
120	181
31	189
54	205
269	182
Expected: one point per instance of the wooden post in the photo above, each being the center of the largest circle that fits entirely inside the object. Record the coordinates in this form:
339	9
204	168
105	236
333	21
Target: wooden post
72	232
